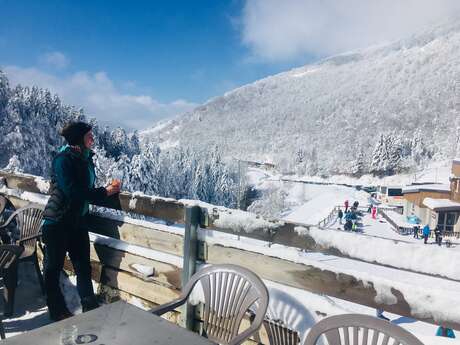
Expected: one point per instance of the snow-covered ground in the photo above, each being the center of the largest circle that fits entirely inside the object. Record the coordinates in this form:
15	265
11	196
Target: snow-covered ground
299	308
309	203
30	309
436	172
320	201
302	202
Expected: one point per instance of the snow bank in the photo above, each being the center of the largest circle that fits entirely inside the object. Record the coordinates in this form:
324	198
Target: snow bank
26	196
42	184
152	198
399	219
132	203
237	220
436	171
411	256
153	223
145	270
426	295
321	199
242	221
301	309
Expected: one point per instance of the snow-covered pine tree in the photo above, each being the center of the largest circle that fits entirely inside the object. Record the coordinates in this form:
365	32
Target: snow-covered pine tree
386	157
380	157
30	122
31	118
394	147
300	161
419	150
14	165
358	164
312	162
145	174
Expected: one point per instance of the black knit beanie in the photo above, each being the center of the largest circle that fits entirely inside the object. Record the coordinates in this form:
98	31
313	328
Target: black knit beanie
74	132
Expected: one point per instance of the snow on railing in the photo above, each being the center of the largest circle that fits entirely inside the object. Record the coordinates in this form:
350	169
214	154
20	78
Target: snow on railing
280	251
401	229
333	214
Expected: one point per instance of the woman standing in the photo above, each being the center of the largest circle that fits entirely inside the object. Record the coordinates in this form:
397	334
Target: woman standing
64	230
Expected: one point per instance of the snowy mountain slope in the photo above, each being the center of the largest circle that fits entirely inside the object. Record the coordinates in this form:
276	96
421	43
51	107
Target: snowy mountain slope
328	117
30	120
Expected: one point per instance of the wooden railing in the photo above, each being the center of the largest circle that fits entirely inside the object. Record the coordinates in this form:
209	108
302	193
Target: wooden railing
163	248
402	230
333	214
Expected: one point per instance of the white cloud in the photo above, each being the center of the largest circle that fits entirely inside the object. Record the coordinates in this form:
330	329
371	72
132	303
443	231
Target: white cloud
281	30
100	98
54	59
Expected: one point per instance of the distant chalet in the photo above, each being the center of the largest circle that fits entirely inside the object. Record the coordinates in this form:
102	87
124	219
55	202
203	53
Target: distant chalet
437	205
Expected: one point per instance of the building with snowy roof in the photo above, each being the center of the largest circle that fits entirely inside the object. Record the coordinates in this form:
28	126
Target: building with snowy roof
436	204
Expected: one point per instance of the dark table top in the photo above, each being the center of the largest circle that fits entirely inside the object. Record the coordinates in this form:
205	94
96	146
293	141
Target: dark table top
118	323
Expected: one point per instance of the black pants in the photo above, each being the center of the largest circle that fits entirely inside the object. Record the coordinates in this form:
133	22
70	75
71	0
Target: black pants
59	239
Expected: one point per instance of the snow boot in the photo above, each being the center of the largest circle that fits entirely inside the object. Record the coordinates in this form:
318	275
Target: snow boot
383	317
61	314
89	303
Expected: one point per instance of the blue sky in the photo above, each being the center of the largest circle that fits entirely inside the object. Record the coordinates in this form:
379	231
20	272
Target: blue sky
171	49
132	63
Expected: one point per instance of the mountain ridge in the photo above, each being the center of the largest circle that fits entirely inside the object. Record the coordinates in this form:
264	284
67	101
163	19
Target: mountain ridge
339	107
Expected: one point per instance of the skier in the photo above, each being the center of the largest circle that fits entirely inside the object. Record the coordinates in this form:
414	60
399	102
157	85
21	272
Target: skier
445	332
374	212
416	230
438	236
340	215
379	313
348	225
426	233
346	206
64	229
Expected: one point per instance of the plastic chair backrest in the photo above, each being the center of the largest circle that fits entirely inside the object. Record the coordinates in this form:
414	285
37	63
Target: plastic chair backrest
29	220
357	329
3	202
279	334
9	253
229	291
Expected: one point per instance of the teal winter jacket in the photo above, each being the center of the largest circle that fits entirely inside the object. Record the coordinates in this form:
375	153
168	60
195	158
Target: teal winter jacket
72	186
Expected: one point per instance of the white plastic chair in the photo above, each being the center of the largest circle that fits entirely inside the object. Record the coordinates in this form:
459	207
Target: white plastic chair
356	329
229	292
280	334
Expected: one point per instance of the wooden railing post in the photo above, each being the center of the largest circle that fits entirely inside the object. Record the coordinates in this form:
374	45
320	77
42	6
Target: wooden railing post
192	223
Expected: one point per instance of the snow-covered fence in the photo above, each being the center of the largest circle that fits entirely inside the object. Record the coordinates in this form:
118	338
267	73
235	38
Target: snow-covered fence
329	217
401	229
125	250
324	223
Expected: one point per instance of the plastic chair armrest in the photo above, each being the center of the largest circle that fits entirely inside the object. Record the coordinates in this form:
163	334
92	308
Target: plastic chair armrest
170	306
